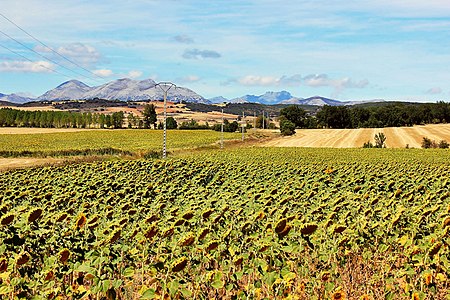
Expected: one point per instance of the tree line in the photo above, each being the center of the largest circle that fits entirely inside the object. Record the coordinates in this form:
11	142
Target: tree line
392	115
59	119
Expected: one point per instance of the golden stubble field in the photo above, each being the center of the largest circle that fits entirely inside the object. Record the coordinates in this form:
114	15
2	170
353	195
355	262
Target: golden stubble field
396	137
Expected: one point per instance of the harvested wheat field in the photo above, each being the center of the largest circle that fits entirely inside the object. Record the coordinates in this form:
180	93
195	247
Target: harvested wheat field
396	137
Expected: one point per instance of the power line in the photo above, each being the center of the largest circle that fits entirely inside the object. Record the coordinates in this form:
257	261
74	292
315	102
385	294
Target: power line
24	57
51	49
43	56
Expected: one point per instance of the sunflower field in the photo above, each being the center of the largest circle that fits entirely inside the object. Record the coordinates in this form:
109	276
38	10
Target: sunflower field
254	223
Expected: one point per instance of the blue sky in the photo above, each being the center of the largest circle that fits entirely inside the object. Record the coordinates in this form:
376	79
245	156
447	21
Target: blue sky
348	50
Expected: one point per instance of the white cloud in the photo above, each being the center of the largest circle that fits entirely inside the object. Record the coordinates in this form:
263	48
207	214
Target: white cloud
252	80
313	80
134	74
26	66
103	72
321	80
79	53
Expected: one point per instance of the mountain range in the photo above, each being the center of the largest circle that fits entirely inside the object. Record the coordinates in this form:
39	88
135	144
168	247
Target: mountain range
134	90
122	89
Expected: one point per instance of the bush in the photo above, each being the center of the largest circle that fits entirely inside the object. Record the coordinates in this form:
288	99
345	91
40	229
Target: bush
428	143
368	145
443	145
380	140
286	127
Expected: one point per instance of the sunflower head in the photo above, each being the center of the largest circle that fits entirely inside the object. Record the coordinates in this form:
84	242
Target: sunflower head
3	265
427	278
7	219
338	295
179	264
64	255
81	221
34	215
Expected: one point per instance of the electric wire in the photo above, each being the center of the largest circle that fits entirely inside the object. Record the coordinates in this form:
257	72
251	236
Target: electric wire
26	58
43	56
51	49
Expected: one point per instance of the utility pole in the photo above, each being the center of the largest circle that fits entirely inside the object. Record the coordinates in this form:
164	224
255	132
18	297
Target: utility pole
254	120
165	87
221	133
243	122
263	125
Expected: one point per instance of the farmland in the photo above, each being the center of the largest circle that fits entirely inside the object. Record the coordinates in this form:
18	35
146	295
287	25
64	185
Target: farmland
245	223
133	140
397	137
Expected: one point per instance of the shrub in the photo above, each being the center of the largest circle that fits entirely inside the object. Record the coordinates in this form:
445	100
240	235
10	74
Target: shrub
443	144
286	127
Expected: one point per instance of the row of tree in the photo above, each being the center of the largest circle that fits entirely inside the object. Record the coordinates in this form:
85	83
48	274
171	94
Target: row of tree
59	119
393	115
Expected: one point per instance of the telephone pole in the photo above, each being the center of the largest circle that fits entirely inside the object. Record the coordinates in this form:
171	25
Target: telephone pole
165	87
243	122
221	133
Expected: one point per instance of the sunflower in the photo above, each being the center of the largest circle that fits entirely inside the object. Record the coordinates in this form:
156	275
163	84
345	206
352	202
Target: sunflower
22	259
179	264
34	215
3	265
187	240
7	219
81	221
427	278
415	296
339	295
64	255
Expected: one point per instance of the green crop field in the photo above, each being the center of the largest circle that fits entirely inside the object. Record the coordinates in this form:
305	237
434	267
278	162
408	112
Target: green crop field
254	223
131	140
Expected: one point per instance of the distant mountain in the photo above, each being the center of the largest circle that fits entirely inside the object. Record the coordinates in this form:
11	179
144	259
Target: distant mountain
316	100
218	100
122	89
15	98
268	98
69	90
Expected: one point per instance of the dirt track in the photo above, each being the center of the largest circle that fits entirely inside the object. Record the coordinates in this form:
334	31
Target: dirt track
396	137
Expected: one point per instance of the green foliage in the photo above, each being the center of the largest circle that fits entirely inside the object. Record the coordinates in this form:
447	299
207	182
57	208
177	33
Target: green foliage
58	119
286	126
262	122
171	123
295	115
192	125
391	115
380	140
227	126
428	143
149	116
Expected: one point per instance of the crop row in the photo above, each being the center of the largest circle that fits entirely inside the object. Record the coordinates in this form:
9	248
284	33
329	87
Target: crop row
248	223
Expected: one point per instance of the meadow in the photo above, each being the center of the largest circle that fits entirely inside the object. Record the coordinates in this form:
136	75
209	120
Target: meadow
248	223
